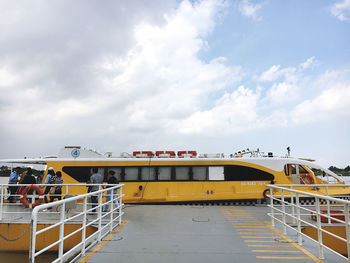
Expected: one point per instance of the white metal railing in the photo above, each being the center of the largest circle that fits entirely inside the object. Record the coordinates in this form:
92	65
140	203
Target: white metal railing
287	208
105	223
7	208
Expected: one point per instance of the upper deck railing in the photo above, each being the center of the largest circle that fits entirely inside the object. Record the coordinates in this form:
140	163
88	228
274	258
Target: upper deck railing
73	209
105	223
68	190
288	210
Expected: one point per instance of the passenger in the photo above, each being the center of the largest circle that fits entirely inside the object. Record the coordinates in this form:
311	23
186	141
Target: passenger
111	180
95	178
58	188
49	177
28	179
24	181
13	180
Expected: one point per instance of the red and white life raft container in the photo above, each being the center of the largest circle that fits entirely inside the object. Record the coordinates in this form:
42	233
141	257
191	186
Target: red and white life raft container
165	154
143	154
186	154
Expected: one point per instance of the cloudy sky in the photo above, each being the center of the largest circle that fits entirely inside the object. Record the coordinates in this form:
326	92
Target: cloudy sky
212	76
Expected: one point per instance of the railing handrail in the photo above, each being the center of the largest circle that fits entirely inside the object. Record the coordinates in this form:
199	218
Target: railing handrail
111	222
72	198
334	199
286	198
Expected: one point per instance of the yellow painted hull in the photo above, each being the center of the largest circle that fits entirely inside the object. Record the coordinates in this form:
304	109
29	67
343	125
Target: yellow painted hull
14	230
186	191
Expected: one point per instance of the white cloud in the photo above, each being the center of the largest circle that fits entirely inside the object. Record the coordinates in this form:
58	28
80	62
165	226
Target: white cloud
332	102
139	81
234	112
250	10
308	63
341	10
281	93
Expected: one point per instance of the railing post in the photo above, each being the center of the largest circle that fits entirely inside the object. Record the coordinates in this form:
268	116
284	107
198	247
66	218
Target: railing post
300	237
62	217
328	206
83	233
283	213
346	216
292	205
33	223
1	201
272	208
120	204
111	208
99	213
319	227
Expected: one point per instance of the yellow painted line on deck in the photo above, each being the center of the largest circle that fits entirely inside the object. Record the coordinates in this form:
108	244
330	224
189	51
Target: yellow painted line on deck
254	233
103	243
270	246
251	229
295	244
277	251
263	257
254	226
240	225
258	237
244	220
262	241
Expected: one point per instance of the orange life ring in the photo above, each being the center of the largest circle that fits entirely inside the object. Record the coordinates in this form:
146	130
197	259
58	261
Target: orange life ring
306	179
38	201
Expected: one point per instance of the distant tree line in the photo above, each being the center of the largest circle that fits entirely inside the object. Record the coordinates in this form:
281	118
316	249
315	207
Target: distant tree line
344	172
5	171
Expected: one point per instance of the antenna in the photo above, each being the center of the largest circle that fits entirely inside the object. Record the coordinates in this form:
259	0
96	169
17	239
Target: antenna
288	150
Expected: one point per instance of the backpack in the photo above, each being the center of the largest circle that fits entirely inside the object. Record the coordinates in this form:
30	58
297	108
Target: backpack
52	180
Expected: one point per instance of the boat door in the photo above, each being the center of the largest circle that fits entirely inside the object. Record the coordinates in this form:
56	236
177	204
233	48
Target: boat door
298	174
216	181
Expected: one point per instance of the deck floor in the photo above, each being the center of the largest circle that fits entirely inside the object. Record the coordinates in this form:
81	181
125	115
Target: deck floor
159	233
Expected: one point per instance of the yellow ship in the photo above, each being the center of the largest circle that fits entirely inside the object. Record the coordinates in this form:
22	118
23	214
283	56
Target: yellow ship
184	176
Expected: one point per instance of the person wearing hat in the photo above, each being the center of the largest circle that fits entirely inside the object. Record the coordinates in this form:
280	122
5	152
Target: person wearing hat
49	177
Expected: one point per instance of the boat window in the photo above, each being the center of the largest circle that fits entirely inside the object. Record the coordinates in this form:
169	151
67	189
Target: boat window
244	173
302	170
147	173
182	173
81	174
117	171
200	173
131	173
290	169
164	173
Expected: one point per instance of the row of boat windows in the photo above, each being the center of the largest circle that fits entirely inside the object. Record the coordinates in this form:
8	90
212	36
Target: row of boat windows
173	173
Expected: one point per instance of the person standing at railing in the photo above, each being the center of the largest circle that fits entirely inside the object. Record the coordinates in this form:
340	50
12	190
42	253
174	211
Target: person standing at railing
57	193
95	178
13	180
111	180
48	180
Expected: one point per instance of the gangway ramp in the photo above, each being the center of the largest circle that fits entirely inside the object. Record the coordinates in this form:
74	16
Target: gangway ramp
180	233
